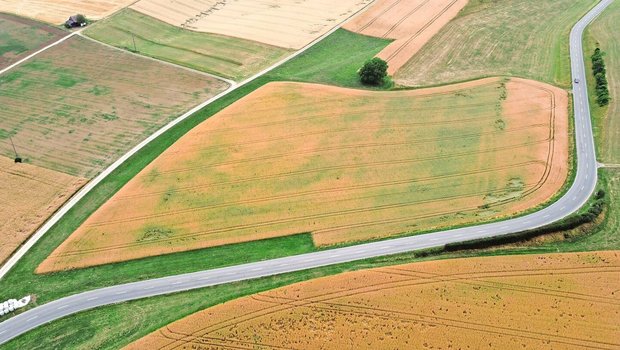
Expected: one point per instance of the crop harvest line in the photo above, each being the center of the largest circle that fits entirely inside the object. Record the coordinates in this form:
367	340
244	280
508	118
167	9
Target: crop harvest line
577	195
94	182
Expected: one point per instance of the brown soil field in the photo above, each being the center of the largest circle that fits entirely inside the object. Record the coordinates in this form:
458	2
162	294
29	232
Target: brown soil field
20	37
411	23
557	301
288	24
58	11
30	194
346	165
79	106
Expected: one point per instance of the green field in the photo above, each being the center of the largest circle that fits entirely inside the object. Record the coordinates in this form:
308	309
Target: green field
524	38
20	37
21	279
603	31
112	327
212	53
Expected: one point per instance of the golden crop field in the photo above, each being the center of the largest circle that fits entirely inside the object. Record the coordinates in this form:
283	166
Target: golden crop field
346	165
57	12
554	301
288	24
410	22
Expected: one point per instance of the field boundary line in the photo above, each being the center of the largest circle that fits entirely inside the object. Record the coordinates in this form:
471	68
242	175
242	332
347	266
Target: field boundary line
51	221
228	81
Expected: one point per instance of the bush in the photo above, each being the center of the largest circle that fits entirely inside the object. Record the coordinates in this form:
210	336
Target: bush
599	72
570	223
81	18
373	72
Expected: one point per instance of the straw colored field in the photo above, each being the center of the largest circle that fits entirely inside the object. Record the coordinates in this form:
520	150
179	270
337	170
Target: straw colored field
80	105
19	37
411	22
288	24
567	301
224	56
603	32
525	38
56	12
29	195
346	165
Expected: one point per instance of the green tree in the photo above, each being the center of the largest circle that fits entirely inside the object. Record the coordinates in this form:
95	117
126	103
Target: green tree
373	72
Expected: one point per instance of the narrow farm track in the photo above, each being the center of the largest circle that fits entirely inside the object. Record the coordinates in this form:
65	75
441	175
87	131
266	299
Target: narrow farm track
575	197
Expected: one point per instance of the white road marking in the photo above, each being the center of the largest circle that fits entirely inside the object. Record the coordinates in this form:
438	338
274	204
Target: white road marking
546	216
175	283
92	298
31	318
62	307
3	331
256	269
121	292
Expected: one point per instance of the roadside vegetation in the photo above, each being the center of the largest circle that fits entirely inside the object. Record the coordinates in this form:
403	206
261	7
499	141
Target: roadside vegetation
528	39
599	72
603	33
223	56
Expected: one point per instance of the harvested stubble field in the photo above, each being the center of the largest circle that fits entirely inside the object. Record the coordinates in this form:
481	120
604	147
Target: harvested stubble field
525	38
604	33
567	301
56	12
410	22
73	110
346	165
29	195
19	37
217	54
288	24
80	105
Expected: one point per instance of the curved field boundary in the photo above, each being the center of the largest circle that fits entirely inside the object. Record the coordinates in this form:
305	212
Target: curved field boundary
366	296
411	23
364	202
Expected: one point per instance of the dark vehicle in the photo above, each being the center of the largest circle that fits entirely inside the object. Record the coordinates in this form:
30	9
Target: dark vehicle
76	21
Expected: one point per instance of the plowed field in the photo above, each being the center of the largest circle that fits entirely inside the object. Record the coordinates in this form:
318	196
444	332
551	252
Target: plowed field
57	12
346	165
411	22
71	111
80	105
288	24
29	195
19	37
558	301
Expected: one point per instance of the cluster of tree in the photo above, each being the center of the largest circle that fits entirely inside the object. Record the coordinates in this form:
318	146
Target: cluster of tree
600	76
373	72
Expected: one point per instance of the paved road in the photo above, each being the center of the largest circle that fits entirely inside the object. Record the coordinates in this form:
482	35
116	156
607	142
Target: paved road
578	194
94	182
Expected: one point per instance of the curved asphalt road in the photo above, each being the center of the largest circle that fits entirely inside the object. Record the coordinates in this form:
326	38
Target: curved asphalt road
577	195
